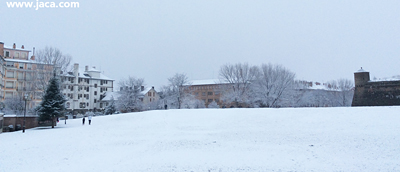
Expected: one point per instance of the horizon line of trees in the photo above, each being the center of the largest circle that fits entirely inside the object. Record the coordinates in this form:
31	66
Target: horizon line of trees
241	85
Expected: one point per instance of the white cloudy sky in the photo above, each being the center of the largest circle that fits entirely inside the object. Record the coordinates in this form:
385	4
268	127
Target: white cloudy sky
318	40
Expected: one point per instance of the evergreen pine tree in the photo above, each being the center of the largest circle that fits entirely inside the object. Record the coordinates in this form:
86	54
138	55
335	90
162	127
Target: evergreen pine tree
52	105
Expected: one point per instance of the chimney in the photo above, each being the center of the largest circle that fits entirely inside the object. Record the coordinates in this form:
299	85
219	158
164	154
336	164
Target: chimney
142	88
14	46
33	56
22	47
94	67
86	68
152	87
1	49
76	69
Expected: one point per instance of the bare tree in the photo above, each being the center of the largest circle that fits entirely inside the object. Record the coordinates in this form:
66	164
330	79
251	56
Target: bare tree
342	90
271	84
14	105
47	61
130	94
175	93
238	78
54	56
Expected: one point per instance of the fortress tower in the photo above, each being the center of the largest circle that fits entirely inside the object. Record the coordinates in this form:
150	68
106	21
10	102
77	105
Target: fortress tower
375	93
361	77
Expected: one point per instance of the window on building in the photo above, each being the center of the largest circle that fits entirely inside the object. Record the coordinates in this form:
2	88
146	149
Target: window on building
95	100
203	93
21	65
217	100
20	75
10	64
217	93
10	74
9	84
23	55
95	85
7	54
95	93
28	76
210	100
210	93
16	55
149	94
20	85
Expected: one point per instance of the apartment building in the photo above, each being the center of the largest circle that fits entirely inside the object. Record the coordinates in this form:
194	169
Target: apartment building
207	90
21	75
84	89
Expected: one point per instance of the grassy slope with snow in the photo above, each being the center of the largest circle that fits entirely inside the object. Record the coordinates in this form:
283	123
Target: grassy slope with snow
287	139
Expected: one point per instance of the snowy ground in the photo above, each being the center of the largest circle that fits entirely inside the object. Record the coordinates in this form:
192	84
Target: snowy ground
219	140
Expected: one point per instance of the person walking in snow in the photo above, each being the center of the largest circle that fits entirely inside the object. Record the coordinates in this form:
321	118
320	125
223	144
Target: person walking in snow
83	120
90	117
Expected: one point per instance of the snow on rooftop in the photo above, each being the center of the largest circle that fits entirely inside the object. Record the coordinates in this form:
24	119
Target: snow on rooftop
360	71
21	61
18	49
82	74
393	78
206	82
146	90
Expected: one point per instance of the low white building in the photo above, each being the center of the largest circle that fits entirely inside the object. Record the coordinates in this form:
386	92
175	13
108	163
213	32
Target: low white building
84	89
148	96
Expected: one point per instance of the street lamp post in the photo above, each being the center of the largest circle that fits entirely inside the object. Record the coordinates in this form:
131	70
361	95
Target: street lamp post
23	125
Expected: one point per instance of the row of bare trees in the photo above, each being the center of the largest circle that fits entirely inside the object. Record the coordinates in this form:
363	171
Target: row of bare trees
270	85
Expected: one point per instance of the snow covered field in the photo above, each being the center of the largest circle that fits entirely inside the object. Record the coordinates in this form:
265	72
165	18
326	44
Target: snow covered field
216	140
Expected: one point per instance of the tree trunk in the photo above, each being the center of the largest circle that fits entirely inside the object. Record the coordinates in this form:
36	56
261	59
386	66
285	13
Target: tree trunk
52	121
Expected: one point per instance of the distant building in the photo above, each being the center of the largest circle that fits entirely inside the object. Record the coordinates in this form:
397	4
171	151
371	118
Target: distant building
375	93
84	89
207	91
149	95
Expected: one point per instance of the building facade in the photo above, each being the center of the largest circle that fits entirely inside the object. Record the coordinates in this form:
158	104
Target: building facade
375	93
21	75
84	89
207	91
149	95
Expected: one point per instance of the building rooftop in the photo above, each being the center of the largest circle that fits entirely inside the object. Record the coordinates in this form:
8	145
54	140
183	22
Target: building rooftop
84	74
19	49
207	82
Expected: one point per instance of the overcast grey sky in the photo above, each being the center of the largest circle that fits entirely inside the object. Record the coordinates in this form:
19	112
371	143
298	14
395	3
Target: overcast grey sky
318	40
